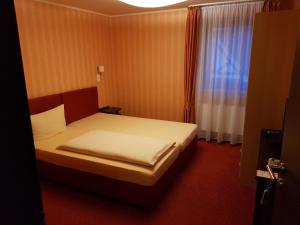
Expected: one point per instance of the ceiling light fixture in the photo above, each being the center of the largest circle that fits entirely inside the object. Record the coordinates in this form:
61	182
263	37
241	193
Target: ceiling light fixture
151	3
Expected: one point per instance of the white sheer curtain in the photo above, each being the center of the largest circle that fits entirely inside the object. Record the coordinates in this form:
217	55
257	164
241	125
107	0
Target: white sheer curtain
223	67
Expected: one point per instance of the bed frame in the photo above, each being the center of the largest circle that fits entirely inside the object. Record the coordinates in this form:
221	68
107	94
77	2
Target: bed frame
82	103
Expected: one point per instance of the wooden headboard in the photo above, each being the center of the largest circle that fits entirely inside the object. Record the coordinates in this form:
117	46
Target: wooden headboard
41	104
78	103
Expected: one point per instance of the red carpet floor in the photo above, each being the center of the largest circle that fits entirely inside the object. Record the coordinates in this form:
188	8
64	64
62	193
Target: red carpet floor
207	192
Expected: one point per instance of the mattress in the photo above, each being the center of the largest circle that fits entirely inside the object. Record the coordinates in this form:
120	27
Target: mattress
181	133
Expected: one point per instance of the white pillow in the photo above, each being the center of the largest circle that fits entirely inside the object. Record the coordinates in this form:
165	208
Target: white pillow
48	123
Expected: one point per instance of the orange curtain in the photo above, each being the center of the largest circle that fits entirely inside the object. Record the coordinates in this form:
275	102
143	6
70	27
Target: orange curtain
190	62
271	5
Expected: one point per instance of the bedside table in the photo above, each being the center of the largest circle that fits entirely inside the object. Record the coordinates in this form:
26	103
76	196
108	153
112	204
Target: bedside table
110	110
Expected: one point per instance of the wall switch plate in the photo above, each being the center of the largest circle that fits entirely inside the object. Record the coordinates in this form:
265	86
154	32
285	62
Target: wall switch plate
98	78
100	69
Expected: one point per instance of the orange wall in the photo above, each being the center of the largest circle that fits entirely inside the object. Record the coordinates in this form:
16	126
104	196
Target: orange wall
61	48
149	63
143	55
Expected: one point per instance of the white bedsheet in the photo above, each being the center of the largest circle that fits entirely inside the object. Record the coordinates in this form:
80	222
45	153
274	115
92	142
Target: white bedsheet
130	148
181	133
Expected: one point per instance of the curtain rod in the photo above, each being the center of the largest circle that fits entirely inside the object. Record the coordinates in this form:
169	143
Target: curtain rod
224	3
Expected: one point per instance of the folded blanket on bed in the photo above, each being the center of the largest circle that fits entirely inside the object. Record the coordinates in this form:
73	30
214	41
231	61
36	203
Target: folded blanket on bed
118	146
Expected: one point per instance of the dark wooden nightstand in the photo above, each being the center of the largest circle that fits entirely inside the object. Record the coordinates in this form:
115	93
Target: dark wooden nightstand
110	110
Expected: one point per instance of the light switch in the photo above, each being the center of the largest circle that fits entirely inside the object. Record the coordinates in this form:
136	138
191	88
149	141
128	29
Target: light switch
98	77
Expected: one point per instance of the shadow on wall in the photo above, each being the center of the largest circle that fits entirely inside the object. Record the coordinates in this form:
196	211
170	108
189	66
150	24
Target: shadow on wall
290	4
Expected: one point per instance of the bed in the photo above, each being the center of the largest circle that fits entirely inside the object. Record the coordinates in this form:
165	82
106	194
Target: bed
132	183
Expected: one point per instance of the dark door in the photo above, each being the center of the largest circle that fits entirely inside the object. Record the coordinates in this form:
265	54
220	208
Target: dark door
286	209
20	197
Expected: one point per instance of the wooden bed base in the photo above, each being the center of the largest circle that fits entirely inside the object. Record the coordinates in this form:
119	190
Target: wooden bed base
82	103
145	196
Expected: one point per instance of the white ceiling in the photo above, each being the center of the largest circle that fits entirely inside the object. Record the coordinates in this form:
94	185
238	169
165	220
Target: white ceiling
115	7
